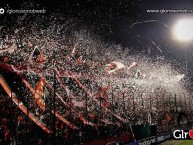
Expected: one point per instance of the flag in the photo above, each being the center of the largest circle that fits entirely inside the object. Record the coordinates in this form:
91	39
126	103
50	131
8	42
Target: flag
132	65
80	61
114	66
10	48
40	58
103	95
36	56
168	118
39	88
5	59
103	91
179	77
138	74
74	50
39	93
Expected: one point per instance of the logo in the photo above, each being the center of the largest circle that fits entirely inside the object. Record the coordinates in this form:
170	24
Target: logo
2	11
183	134
191	134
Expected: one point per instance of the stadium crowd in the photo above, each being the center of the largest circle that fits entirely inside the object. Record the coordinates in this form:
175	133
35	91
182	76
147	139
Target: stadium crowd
17	128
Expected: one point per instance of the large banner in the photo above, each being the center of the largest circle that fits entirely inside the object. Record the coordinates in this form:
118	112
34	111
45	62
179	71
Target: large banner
153	140
163	137
148	141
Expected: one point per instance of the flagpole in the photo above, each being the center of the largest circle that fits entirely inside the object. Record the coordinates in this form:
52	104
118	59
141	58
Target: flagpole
86	105
142	100
184	100
164	101
180	101
113	107
190	105
170	102
150	104
133	103
150	109
175	103
70	99
130	126
124	101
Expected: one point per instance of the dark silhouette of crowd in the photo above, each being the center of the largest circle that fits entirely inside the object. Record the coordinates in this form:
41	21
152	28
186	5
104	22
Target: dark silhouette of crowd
17	128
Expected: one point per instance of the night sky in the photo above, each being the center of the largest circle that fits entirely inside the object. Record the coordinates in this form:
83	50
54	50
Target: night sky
111	21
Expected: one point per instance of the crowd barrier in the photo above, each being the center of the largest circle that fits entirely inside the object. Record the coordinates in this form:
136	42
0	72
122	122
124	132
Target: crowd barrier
154	140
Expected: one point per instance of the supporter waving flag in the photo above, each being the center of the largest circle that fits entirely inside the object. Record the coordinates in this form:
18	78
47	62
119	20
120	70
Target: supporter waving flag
114	66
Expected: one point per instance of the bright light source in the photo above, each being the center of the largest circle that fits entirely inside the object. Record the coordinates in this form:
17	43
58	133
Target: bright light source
183	30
